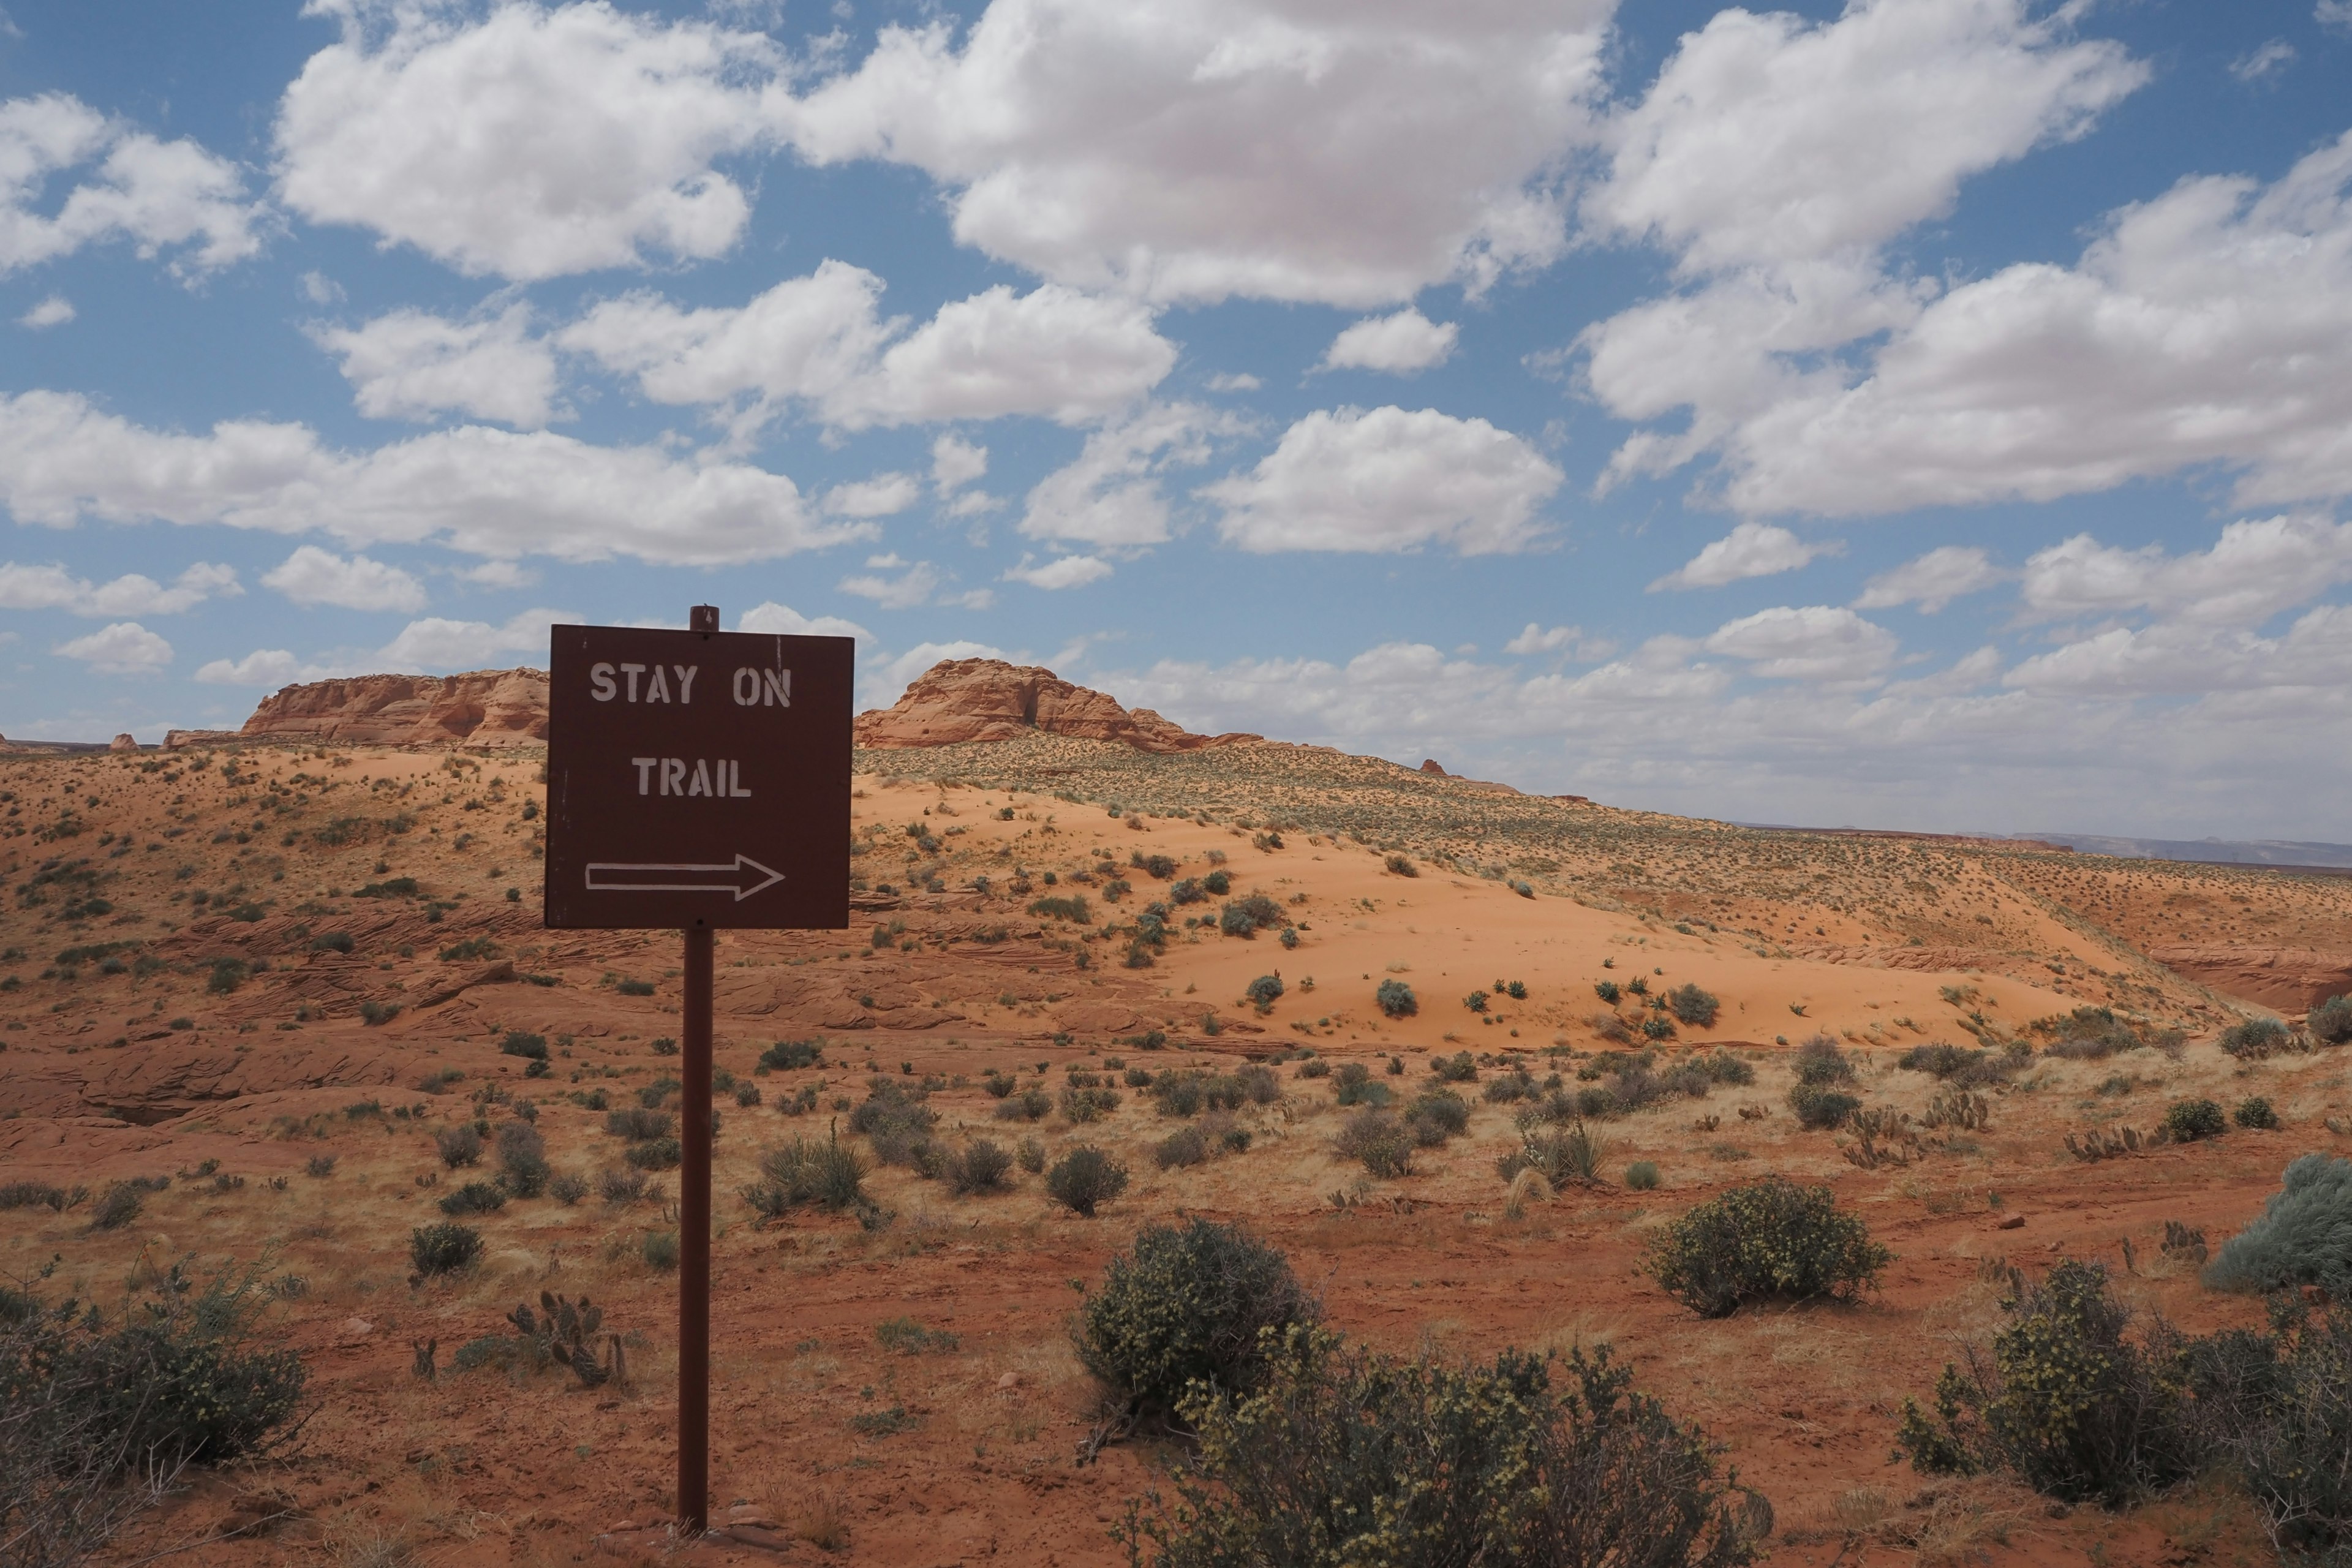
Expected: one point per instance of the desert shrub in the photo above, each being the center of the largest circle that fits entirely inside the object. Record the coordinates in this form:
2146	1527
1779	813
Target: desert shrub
1642	1176
1608	991
1345	1456
117	1206
638	1123
2255	1038
659	1250
459	1146
2078	1410
907	1337
522	1160
1072	908
2256	1112
1573	1154
1265	990
1185	1146
1084	1179
475	1197
568	1188
319	1166
2292	1445
1088	1104
1819	1061
1442	1110
2190	1120
1403	865
1396	999
1217	883
981	1167
101	1413
656	1154
1258	1085
786	1055
1356	1086
443	1249
2090	1034
1768	1239
620	1187
517	1042
2303	1236
1186	1305
1313	1066
2331	1022
1032	1104
1031	1155
1187	891
31	1194
1376	1137
1817	1107
1722	1066
1694	1007
1179	1093
1458	1067
1248	916
1942	1059
894	1117
1000	1083
659	1093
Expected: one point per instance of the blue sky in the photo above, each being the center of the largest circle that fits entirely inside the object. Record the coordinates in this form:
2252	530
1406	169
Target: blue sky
1927	412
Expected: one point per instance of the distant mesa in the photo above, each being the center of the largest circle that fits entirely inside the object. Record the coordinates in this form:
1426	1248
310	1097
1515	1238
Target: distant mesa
982	700
483	707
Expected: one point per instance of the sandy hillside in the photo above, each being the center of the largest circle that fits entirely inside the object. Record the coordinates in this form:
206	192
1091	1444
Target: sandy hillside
273	974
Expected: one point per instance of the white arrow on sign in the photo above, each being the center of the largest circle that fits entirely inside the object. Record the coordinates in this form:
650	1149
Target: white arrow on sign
616	877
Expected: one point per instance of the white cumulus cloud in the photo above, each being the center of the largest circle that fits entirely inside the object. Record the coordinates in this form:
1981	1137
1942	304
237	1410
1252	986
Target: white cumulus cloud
269	666
1109	495
2257	568
1384	480
155	194
436	643
1750	550
1402	343
53	312
315	576
125	648
956	462
1818	642
1932	581
884	495
1196	149
473	490
528	141
1061	572
54	588
782	620
1570	642
413	364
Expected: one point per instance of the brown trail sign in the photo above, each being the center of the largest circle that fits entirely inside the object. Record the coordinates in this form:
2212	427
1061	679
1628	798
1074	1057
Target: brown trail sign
696	779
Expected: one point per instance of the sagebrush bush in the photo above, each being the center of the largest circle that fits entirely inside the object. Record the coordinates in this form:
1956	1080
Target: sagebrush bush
1396	999
2190	1120
1183	1305
1376	1137
1766	1239
443	1249
656	1154
459	1146
2254	1112
1694	1007
1722	1066
475	1197
2253	1039
1820	1061
2303	1236
1344	1455
1642	1176
31	1194
1185	1146
1084	1179
981	1167
1031	1155
99	1412
2331	1022
1817	1107
117	1206
2078	1410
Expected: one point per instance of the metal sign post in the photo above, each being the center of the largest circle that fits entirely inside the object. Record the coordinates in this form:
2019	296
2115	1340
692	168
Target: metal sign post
697	779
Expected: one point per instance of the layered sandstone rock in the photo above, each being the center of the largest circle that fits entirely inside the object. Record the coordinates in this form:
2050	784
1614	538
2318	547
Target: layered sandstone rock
2290	979
484	707
988	700
124	743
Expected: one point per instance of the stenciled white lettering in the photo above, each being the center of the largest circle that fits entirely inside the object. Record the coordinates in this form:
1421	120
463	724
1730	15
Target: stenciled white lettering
735	782
701	784
746	688
673	775
686	673
778	685
715	777
633	671
645	766
658	688
600	682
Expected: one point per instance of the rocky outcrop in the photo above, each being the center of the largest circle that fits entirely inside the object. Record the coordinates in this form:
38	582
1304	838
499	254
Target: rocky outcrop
485	708
2289	979
988	700
175	738
124	743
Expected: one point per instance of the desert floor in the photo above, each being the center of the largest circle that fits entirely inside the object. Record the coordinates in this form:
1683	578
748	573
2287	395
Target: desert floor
169	1009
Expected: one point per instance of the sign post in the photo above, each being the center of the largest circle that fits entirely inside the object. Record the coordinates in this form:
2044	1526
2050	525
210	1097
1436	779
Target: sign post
697	779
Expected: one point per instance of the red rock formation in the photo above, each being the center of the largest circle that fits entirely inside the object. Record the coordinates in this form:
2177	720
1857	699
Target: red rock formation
2290	979
123	743
485	708
987	700
1432	765
175	738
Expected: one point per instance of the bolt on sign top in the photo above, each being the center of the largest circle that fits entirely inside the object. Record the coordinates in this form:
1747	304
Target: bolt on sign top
698	779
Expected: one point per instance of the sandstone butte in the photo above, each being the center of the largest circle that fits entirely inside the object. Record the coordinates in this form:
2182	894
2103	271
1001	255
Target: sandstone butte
988	700
954	702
